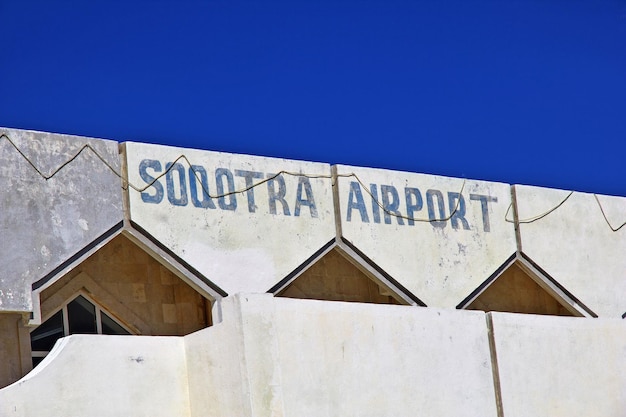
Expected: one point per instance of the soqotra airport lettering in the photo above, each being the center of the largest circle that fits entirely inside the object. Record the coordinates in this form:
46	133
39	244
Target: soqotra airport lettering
413	202
191	187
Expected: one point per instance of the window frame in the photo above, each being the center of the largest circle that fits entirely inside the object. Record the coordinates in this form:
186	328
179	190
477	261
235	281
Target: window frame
99	310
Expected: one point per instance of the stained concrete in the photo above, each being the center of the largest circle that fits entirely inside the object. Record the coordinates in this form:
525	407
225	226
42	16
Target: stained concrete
575	245
437	244
91	375
320	358
560	366
44	223
281	357
251	230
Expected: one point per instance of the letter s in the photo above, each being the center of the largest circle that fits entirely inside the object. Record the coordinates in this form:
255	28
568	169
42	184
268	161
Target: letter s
157	197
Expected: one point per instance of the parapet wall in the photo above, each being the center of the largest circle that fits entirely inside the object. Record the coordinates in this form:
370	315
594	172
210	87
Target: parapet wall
281	357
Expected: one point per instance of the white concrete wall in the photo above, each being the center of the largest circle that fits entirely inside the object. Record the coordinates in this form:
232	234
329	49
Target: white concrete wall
561	366
90	375
44	223
283	357
217	368
575	244
318	358
440	262
341	359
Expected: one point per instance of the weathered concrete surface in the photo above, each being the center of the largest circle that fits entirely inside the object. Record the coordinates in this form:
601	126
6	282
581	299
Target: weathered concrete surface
245	241
440	262
91	375
282	357
364	360
45	222
318	358
561	366
274	357
234	367
575	245
217	372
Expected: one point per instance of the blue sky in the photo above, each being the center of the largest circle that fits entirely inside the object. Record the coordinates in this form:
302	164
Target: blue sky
526	92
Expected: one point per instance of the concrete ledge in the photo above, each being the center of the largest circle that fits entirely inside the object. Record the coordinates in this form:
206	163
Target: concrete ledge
358	359
276	356
288	357
92	375
560	366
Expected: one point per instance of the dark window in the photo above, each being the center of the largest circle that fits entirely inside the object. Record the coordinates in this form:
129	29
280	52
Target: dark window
44	336
78	316
81	316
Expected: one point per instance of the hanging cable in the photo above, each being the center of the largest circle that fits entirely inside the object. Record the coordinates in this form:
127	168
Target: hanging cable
126	184
605	218
537	217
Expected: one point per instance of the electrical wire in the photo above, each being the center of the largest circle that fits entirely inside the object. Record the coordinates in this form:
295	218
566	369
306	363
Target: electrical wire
400	216
127	184
64	164
295	174
537	217
604	215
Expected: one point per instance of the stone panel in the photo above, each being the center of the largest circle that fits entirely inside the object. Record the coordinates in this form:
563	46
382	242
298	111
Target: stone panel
125	274
14	348
356	359
515	292
334	278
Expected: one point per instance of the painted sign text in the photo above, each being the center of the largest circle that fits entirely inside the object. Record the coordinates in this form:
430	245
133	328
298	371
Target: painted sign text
387	203
191	186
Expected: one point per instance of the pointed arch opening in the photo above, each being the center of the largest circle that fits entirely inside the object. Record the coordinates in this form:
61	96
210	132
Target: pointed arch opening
80	314
514	291
334	278
520	286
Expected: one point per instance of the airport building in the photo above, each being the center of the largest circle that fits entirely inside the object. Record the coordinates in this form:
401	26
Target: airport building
149	280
